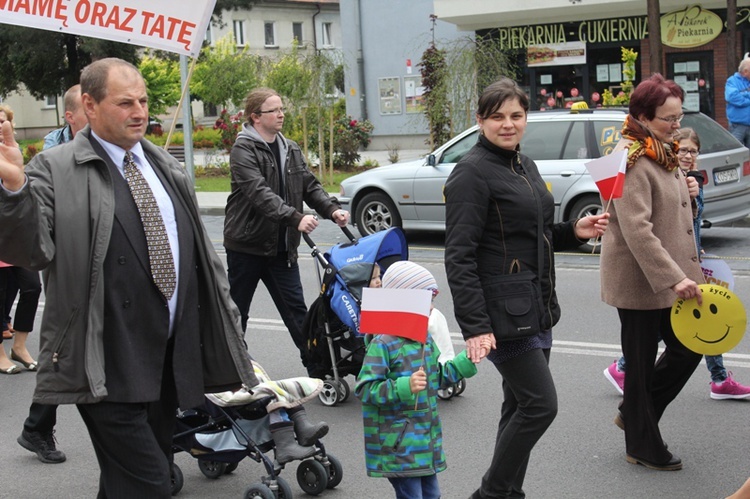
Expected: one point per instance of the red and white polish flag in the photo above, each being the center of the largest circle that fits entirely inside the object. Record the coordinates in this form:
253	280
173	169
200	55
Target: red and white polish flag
609	173
398	312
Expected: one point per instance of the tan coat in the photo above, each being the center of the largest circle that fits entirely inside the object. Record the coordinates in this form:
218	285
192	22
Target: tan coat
649	245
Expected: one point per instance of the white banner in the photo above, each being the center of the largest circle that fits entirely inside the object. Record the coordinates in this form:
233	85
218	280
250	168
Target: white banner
176	26
563	54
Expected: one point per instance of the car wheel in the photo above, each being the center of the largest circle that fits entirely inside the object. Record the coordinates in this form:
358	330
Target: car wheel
588	205
376	212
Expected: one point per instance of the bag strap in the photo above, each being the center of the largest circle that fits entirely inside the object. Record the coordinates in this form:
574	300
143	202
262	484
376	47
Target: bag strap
539	226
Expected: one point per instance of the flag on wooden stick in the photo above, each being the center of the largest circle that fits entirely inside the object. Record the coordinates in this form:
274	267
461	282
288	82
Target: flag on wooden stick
398	312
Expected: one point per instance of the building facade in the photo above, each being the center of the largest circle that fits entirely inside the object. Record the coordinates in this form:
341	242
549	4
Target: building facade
572	50
383	43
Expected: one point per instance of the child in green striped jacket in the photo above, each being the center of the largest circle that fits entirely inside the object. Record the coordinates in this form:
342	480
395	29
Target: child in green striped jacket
398	387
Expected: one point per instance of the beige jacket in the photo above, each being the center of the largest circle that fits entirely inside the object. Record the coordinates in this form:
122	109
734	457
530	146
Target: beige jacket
649	245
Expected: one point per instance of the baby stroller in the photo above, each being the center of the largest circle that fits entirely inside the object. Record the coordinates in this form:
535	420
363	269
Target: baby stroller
220	437
334	347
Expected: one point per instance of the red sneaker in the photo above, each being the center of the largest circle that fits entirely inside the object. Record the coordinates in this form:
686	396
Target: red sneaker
616	377
729	389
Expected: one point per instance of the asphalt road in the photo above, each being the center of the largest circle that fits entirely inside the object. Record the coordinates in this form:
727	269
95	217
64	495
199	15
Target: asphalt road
581	456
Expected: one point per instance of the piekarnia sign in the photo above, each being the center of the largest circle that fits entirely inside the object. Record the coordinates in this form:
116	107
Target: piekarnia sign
173	25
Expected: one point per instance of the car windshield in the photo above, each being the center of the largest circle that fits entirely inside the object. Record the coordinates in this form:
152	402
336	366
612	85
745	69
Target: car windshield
714	137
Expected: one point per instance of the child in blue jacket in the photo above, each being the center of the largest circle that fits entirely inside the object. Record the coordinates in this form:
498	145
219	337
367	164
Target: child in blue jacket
402	443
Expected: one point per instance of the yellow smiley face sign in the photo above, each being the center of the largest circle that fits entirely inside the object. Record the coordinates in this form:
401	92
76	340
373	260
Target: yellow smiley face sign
713	328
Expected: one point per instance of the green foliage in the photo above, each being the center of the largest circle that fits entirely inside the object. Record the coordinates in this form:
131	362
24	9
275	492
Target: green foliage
203	138
228	127
205	183
162	83
32	149
349	136
629	58
437	106
472	64
290	75
370	163
48	62
224	73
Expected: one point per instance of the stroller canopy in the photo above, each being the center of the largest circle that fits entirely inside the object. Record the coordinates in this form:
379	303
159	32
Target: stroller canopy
353	263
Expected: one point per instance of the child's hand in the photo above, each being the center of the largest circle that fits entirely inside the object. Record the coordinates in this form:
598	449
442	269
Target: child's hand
418	381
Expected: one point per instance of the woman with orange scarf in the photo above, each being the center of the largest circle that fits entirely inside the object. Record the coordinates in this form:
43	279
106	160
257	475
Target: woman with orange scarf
648	259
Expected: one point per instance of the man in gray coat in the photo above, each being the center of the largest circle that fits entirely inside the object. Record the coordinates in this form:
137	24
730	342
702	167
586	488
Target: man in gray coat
128	334
38	429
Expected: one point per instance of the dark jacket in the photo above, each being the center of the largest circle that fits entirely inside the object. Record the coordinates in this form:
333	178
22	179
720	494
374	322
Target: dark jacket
255	208
62	221
491	220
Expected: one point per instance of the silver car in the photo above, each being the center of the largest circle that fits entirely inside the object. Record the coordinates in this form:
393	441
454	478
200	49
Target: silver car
410	194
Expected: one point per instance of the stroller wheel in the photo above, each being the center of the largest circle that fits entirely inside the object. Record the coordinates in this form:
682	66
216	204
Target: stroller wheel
446	393
312	477
284	490
230	468
177	479
460	387
258	491
330	393
212	469
343	390
335	471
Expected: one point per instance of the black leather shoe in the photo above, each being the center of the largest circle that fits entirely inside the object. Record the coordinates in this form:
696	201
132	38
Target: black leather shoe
43	444
674	464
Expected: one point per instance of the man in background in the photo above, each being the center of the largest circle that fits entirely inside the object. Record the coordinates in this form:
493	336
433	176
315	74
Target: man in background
75	119
737	95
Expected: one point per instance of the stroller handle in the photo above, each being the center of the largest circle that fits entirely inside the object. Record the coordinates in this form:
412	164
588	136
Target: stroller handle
345	230
348	234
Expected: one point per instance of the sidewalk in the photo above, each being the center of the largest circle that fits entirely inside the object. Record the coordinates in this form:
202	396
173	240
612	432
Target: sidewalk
213	203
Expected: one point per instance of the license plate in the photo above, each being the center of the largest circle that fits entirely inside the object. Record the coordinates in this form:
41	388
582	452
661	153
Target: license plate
725	176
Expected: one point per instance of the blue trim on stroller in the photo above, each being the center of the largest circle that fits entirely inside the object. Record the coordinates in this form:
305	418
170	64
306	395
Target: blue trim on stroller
353	263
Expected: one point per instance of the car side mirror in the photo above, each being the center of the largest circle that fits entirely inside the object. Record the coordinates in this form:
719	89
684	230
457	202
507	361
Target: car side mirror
431	160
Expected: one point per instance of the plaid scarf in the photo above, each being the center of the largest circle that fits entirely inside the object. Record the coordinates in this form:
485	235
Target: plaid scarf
645	143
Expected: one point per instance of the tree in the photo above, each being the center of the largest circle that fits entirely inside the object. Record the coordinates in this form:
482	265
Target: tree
224	74
437	106
162	83
472	63
654	36
48	62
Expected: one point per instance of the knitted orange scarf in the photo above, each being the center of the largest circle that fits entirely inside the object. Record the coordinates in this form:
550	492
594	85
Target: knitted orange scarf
646	143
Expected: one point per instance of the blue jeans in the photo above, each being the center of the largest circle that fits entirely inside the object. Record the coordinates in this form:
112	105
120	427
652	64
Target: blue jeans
421	487
741	133
283	282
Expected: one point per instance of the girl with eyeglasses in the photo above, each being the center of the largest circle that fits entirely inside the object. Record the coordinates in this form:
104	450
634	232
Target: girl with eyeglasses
723	386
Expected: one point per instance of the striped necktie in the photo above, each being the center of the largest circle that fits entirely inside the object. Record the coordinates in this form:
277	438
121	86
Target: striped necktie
159	251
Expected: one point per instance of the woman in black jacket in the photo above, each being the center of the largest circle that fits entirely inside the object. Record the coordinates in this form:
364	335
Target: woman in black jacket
493	198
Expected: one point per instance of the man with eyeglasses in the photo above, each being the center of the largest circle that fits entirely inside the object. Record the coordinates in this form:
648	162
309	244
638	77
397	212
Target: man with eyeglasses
264	214
737	95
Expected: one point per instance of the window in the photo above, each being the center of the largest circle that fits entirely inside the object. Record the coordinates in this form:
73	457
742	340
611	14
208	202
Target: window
544	140
239	33
326	34
455	152
50	101
270	34
575	146
297	32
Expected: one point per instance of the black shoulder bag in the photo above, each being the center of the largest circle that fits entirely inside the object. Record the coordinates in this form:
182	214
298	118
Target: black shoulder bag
514	300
